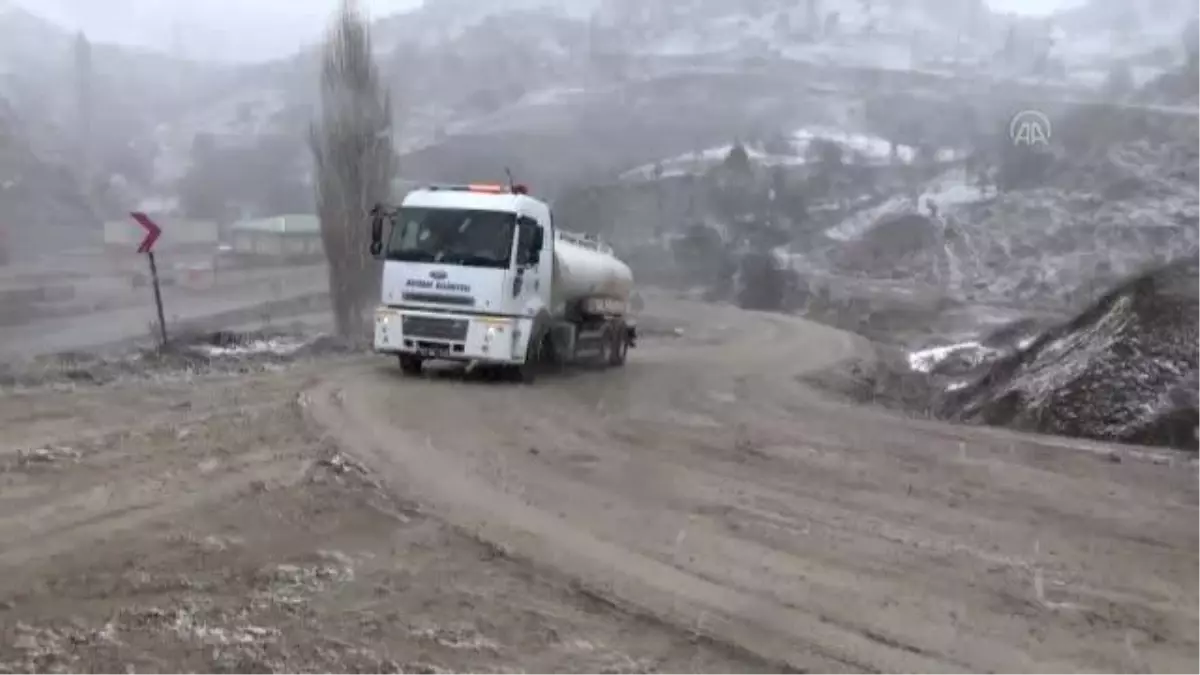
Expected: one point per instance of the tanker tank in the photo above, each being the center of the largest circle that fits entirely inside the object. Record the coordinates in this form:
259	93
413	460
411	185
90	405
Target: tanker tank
584	269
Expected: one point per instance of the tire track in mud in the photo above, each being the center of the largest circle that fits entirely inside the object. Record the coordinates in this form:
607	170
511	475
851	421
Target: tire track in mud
483	500
703	484
606	569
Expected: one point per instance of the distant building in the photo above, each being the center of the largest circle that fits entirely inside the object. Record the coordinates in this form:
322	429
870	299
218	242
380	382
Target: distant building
292	237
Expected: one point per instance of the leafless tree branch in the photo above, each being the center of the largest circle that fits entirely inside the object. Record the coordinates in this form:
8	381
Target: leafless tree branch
355	163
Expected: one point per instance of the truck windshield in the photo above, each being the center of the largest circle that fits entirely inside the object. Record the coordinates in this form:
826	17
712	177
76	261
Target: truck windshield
468	237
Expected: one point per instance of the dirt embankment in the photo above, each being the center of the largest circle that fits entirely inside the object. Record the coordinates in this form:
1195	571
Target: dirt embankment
1124	369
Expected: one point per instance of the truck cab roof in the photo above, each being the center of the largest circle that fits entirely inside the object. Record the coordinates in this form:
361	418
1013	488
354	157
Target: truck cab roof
469	197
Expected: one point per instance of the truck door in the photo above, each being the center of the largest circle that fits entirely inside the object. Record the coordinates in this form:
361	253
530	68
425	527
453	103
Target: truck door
531	284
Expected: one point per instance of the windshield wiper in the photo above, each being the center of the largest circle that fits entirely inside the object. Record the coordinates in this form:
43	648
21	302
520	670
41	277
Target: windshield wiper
478	260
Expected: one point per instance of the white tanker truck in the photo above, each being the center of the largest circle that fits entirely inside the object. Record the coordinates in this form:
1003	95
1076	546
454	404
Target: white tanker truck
481	274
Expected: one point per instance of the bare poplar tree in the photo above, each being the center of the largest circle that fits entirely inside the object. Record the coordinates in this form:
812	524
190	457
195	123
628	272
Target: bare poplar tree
355	162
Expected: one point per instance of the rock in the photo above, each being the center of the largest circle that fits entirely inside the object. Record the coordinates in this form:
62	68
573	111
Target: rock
1124	369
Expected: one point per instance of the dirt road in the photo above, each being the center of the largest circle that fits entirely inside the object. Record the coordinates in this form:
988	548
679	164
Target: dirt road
707	486
199	524
699	510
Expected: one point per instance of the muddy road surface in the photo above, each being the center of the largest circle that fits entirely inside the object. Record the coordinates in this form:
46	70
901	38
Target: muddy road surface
704	484
698	510
201	524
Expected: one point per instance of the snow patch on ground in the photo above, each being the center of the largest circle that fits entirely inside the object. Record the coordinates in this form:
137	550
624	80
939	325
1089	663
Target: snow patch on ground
279	346
925	360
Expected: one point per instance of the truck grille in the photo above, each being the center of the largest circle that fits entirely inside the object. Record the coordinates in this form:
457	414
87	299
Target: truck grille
439	299
435	327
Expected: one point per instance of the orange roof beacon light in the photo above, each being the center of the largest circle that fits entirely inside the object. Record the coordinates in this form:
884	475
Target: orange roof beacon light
486	187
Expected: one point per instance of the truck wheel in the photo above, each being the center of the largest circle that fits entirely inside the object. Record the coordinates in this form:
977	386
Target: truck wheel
410	365
619	347
604	351
537	356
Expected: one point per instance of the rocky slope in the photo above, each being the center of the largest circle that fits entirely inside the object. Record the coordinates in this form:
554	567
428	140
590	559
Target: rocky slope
1124	369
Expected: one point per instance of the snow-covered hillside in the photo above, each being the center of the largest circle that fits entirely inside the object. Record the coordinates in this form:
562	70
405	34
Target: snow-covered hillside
792	150
849	32
1100	219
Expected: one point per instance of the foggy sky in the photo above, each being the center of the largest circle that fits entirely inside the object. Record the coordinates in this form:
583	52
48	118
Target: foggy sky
245	30
1035	7
240	30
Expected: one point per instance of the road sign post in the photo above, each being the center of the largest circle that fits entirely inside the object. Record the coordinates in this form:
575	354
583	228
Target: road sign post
147	246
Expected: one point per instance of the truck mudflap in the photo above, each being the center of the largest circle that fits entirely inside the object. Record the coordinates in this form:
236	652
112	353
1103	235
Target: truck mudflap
631	334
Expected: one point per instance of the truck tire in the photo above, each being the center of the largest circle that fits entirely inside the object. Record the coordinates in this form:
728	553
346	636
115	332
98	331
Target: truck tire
608	343
537	356
619	346
410	365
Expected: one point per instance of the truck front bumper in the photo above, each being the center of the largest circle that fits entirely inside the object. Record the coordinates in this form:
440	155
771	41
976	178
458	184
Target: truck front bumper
452	337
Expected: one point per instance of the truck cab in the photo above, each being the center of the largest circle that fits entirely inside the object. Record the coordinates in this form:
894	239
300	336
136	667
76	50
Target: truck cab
469	275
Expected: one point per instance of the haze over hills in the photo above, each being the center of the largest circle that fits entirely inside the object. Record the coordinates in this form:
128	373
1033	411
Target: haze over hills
591	86
267	29
218	30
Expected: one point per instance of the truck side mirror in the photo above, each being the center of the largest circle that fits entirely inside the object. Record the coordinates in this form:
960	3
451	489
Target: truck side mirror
376	233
